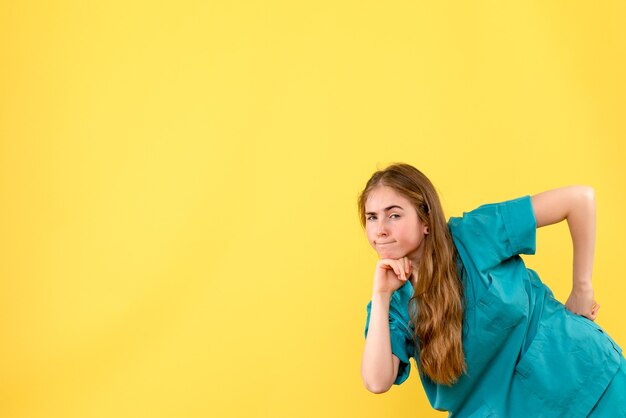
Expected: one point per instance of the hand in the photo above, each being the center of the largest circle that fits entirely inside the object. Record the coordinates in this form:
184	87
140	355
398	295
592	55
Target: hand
582	302
391	274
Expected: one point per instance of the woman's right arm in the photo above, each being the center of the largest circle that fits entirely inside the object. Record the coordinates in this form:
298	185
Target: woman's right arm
379	367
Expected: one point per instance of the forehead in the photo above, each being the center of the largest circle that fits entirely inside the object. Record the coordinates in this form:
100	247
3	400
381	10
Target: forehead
384	196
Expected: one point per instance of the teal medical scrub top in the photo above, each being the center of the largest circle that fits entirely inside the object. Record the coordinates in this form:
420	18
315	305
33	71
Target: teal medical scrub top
526	355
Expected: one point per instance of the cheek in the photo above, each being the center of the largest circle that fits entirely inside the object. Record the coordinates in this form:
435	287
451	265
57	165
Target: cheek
412	240
370	237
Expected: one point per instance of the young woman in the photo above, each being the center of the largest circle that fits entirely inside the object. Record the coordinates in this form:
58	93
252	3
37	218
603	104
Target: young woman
488	337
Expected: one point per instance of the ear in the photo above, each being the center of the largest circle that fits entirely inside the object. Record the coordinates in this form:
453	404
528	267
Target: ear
426	230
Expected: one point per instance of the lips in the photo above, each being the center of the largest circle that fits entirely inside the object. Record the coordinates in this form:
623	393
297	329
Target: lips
384	243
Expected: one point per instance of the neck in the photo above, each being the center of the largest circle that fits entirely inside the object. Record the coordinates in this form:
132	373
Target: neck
416	256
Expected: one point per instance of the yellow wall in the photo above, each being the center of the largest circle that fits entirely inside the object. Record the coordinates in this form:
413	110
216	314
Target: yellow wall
178	230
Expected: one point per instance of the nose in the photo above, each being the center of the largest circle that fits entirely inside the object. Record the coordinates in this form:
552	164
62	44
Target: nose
381	228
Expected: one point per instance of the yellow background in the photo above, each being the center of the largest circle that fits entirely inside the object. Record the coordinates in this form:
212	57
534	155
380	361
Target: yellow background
178	186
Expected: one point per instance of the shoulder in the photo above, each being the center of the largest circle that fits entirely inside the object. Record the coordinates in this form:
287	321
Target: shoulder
511	210
493	232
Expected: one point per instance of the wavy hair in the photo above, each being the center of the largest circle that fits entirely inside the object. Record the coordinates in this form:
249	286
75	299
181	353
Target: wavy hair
437	303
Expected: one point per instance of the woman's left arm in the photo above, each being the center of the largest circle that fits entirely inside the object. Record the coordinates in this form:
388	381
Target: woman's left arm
577	204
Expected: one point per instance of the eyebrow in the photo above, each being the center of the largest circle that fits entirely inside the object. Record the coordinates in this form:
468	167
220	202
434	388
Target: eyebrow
387	209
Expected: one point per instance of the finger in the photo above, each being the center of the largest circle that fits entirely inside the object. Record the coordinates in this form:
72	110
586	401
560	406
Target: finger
387	263
402	270
384	264
396	268
390	264
407	266
402	275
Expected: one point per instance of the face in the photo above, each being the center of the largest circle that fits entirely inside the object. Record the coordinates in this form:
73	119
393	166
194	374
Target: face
392	225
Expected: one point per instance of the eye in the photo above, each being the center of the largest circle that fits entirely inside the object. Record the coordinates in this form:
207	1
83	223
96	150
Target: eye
370	218
394	216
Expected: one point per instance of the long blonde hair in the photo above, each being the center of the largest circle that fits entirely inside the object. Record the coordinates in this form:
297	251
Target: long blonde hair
437	303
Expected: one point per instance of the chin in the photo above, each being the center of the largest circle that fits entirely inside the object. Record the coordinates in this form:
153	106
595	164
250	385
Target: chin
391	255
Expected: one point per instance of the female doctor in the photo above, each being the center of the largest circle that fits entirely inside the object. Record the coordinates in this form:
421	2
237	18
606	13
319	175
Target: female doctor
488	337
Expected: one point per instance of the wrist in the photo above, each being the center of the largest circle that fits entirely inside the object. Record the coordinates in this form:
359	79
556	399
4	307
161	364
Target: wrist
582	284
381	296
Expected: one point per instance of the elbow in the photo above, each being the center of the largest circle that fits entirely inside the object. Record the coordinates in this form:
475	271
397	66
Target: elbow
587	192
586	196
377	376
376	387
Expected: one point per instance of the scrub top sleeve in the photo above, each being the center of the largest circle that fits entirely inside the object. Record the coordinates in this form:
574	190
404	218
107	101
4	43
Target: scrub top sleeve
519	220
401	345
495	232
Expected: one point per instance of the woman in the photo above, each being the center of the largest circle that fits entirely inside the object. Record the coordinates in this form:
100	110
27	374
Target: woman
487	335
